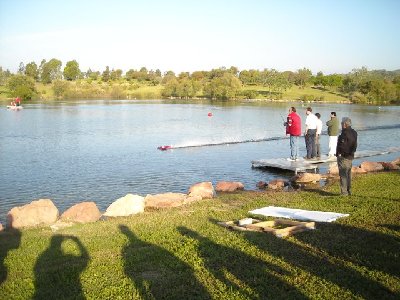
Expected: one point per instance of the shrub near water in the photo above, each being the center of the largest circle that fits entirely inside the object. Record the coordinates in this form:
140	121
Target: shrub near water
182	253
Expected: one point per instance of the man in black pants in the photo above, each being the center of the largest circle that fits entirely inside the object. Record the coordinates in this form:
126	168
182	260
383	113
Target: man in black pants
346	147
309	133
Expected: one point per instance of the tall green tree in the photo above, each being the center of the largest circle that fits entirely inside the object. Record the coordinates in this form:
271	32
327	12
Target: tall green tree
106	74
32	70
225	87
116	74
50	70
274	80
303	76
21	68
21	86
4	75
71	70
250	77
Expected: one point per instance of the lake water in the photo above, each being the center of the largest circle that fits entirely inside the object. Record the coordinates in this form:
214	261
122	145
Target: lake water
74	151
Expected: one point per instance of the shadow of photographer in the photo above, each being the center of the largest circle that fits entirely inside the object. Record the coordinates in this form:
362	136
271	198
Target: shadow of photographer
154	271
242	274
328	252
57	273
10	239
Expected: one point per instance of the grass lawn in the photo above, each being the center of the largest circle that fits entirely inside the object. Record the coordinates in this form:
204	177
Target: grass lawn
295	94
182	253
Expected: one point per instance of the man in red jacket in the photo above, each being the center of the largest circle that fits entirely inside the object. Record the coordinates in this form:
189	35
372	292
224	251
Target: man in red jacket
293	128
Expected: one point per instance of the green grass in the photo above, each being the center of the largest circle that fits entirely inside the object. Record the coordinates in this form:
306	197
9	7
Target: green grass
327	95
84	89
182	253
295	94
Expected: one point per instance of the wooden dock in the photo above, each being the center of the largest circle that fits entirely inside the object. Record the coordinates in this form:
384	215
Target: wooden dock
304	165
300	165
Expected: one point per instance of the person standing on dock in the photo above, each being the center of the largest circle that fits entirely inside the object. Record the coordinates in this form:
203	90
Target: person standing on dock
317	137
346	147
293	128
333	131
310	133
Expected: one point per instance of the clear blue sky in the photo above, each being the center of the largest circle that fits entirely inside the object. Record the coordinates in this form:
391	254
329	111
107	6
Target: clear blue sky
187	35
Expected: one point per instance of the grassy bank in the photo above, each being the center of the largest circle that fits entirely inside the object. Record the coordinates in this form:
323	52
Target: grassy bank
87	89
309	93
182	254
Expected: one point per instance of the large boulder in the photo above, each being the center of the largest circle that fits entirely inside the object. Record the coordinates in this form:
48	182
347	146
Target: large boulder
261	185
306	177
357	170
39	212
333	169
277	184
229	186
389	166
126	206
396	161
371	166
165	200
1	227
84	212
191	199
203	189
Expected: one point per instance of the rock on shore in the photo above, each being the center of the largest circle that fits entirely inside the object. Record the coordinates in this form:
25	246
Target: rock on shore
39	212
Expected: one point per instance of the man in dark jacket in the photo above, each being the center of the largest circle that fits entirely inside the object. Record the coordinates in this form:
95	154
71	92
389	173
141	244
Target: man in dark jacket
346	147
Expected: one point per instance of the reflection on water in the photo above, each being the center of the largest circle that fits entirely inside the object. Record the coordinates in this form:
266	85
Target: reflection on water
101	150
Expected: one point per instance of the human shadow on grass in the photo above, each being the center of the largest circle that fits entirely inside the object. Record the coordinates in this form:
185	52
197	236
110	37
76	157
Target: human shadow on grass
320	192
345	244
9	239
370	249
157	273
241	273
57	274
390	226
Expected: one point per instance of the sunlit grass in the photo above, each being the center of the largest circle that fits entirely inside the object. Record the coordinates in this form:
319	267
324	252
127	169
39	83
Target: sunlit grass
182	253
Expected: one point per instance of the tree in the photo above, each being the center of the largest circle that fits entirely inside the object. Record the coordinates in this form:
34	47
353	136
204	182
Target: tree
274	80
320	80
59	88
250	77
171	87
71	70
334	80
31	70
4	75
50	70
302	77
225	87
21	68
106	74
21	86
115	74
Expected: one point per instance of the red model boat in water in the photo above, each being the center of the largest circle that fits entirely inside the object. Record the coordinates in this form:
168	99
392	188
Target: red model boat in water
163	148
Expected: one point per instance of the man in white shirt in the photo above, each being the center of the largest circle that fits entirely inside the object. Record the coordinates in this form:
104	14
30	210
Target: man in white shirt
310	133
319	131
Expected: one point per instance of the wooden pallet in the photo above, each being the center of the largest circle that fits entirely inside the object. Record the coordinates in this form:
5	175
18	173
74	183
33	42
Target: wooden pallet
289	227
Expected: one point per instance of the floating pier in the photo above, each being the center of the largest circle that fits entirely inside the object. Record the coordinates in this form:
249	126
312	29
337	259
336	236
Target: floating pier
300	165
303	165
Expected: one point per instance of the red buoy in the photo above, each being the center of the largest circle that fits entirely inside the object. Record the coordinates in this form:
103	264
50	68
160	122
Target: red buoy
209	114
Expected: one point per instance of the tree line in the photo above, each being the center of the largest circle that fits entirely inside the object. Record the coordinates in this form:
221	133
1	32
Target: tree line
360	85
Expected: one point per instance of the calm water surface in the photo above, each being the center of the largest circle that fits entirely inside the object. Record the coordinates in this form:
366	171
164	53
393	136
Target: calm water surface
75	151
